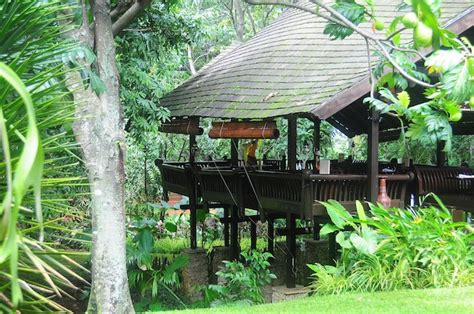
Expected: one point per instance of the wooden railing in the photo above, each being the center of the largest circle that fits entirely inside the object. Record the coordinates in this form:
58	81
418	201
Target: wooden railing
442	180
301	193
350	188
175	177
279	191
226	186
275	191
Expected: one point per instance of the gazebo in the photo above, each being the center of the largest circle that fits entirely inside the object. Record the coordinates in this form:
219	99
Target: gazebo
292	70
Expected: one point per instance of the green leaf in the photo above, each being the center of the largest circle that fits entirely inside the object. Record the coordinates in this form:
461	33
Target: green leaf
457	83
328	228
28	173
171	227
352	11
404	99
338	214
96	83
366	246
178	262
156	307
201	215
343	242
145	240
443	60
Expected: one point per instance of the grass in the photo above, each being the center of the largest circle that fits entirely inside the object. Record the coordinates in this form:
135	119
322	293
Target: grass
448	300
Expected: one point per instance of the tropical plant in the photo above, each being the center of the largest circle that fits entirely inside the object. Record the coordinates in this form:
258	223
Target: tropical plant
243	281
34	107
396	249
151	266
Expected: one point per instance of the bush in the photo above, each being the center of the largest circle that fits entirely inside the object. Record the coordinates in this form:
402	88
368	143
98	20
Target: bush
396	248
154	266
243	281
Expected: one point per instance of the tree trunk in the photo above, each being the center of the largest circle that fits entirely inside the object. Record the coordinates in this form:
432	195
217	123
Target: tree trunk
239	20
99	130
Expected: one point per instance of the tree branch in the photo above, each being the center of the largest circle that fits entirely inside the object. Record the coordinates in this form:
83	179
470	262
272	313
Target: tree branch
340	19
192	67
126	18
120	8
252	21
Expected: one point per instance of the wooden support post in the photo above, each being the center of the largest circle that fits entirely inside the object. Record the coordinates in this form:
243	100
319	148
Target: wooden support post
459	215
440	154
192	144
291	245
253	234
292	127
192	194
234	233
193	216
316	228
373	156
226	226
234	153
316	142
283	163
332	247
271	236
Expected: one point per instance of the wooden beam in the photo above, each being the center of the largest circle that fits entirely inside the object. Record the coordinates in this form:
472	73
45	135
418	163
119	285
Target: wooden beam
292	126
234	233
297	231
316	142
192	145
226	226
291	245
373	156
234	153
182	126
253	234
192	194
244	130
316	228
245	218
440	154
271	236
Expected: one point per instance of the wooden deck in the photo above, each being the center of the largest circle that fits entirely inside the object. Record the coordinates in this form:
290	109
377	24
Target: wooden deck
280	193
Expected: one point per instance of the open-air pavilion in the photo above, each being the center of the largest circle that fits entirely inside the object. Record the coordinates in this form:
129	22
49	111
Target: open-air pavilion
292	70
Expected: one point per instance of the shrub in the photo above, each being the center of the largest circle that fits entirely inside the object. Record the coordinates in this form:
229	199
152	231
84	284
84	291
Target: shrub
154	269
243	282
396	248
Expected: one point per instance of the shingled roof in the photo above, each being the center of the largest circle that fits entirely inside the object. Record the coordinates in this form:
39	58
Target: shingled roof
291	67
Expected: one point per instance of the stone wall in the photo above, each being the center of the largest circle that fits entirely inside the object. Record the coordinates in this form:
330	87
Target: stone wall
218	255
201	269
195	273
307	252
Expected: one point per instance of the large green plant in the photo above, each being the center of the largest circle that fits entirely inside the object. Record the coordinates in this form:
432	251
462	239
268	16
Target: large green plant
33	109
243	281
396	248
153	267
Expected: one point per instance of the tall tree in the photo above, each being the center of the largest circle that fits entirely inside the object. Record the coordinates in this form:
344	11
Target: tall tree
238	18
99	129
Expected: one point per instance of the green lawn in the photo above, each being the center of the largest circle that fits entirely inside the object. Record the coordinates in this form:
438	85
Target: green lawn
459	300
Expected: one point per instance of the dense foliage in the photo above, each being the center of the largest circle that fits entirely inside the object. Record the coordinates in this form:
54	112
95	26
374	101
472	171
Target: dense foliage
44	212
446	77
243	282
390	249
37	168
